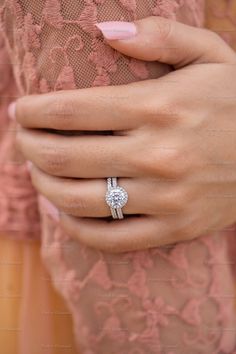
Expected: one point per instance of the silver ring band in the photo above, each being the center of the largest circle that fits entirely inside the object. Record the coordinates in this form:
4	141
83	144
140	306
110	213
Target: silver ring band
116	197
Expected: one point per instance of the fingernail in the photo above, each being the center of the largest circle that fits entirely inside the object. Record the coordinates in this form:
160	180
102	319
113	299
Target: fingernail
49	208
29	165
12	110
117	29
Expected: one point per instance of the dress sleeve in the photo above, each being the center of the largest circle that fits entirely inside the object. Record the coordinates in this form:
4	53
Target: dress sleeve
18	200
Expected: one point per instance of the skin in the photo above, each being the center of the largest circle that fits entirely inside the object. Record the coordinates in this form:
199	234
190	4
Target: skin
173	145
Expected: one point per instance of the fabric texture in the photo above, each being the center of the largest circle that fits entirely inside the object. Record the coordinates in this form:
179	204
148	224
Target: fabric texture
177	299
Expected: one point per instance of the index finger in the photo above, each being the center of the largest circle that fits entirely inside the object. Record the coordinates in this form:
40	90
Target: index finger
97	108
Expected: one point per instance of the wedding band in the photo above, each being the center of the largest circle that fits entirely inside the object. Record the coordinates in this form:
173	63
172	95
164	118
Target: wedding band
116	197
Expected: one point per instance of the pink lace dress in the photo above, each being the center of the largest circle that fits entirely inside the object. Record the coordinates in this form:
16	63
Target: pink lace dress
174	300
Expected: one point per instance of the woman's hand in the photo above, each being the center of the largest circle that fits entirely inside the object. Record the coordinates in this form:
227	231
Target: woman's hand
174	142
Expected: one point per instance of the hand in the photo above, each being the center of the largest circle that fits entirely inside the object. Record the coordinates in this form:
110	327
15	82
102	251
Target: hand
174	142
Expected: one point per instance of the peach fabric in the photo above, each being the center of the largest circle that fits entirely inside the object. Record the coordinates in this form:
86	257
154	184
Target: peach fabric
34	318
32	309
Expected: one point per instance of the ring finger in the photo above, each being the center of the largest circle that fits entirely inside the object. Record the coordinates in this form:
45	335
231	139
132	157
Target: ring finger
86	197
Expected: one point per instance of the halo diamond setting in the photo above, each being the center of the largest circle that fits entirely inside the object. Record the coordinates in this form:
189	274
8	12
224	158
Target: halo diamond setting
116	197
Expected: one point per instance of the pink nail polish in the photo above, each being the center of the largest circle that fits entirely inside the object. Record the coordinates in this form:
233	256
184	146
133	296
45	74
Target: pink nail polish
12	110
29	165
50	209
117	29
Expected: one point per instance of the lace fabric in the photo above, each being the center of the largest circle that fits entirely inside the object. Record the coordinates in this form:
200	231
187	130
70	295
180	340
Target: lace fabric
172	300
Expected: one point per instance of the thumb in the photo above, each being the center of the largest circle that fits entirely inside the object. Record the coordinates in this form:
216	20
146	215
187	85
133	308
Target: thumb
159	39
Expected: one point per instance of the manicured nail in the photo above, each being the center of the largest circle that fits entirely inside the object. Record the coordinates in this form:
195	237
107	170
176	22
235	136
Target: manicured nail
49	208
117	29
12	110
29	165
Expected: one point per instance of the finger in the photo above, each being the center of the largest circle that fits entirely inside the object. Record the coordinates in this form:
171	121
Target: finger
168	41
76	156
90	109
86	198
129	234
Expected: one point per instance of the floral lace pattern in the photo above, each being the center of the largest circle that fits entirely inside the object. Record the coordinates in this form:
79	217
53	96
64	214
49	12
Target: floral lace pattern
172	300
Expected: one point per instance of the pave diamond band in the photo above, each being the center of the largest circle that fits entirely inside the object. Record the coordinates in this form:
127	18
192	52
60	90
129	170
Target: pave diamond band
116	197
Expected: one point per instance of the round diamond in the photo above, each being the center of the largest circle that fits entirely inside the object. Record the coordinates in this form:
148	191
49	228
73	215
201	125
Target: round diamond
116	197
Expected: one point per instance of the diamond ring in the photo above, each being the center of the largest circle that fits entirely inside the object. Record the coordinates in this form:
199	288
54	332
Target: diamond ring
116	197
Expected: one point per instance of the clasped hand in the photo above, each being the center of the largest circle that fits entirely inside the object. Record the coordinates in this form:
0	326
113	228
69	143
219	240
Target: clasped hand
173	145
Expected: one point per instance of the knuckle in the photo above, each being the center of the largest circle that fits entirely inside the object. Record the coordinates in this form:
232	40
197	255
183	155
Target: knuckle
170	110
145	163
71	203
60	112
53	159
173	163
166	112
162	162
178	199
169	166
139	164
161	26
